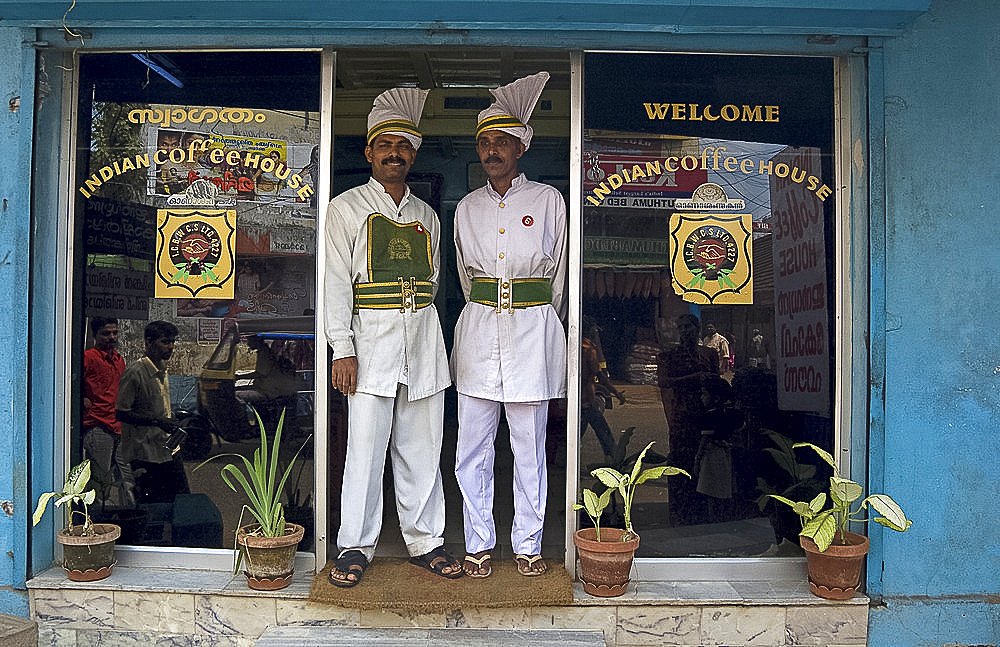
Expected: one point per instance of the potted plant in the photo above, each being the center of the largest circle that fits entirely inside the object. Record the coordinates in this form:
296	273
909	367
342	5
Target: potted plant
835	556
89	548
269	543
606	554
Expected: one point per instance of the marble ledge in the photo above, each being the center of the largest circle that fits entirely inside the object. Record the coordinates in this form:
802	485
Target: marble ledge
180	581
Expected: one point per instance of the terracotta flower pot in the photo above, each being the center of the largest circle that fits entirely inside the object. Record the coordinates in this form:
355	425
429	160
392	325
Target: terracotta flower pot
835	574
269	561
89	557
604	565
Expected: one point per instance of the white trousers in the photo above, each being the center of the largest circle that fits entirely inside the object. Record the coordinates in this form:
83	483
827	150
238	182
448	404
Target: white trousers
412	431
477	430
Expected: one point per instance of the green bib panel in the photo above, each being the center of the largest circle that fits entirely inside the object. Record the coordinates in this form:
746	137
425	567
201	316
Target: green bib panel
398	250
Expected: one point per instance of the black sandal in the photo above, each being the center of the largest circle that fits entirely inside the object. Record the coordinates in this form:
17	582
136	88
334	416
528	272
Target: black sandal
436	561
352	562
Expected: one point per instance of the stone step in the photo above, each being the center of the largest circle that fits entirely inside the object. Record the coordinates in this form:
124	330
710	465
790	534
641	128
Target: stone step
18	632
297	636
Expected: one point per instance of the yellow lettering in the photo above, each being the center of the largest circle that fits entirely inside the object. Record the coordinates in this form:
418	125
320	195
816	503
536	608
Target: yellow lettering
730	112
678	113
693	112
282	172
233	158
216	156
823	192
177	155
615	180
267	164
156	157
689	166
766	167
747	166
652	168
770	113
781	170
251	160
656	110
751	114
85	194
592	201
666	164
601	191
306	190
637	171
142	161
802	175
93	183
127	165
708	113
730	164
813	183
106	173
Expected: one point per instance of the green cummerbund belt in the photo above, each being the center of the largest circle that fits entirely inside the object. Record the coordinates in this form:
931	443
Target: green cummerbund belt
512	293
404	294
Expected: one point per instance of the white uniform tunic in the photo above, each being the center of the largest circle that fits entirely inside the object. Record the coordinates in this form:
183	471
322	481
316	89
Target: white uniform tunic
392	347
517	356
402	374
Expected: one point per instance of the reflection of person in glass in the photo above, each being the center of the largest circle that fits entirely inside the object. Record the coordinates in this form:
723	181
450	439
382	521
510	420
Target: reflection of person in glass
681	370
594	384
143	407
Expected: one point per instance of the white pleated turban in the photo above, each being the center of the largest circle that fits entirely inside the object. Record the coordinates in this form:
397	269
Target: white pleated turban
397	112
513	106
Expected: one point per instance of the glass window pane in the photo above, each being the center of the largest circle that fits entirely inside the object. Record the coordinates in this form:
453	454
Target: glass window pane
196	177
707	291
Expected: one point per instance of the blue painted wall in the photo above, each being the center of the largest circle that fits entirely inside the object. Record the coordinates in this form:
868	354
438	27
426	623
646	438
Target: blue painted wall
941	580
16	122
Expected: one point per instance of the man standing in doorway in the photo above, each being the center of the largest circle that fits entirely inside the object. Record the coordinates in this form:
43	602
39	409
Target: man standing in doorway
510	345
102	368
389	358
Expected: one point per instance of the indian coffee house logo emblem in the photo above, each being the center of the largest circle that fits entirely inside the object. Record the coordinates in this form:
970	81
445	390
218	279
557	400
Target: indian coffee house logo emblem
399	249
711	259
195	253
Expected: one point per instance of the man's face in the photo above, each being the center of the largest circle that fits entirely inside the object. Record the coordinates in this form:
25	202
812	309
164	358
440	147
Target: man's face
499	152
709	330
106	338
391	157
687	331
160	350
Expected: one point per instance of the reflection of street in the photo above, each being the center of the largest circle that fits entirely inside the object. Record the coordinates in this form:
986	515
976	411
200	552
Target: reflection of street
741	537
208	480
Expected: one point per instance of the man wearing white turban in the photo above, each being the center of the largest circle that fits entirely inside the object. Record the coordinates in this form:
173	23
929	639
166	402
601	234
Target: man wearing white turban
510	346
389	359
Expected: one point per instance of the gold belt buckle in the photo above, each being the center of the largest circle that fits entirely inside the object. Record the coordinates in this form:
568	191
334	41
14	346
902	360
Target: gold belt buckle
407	290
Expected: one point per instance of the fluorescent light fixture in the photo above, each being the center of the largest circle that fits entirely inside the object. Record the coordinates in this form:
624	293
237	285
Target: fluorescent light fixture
156	67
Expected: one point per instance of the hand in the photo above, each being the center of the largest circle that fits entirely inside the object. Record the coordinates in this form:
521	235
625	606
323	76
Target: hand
621	397
168	425
344	375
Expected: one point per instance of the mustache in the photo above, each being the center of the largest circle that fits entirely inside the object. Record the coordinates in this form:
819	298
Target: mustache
492	159
393	160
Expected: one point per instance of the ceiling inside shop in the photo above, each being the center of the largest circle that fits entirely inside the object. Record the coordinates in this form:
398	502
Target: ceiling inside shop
444	67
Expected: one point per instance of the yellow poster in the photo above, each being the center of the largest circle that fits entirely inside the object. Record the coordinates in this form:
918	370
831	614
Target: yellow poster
194	253
710	257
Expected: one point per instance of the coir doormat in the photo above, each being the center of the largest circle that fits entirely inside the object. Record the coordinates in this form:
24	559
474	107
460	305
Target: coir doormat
393	583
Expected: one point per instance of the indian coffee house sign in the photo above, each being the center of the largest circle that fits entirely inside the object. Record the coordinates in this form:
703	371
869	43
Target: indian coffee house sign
711	258
194	253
